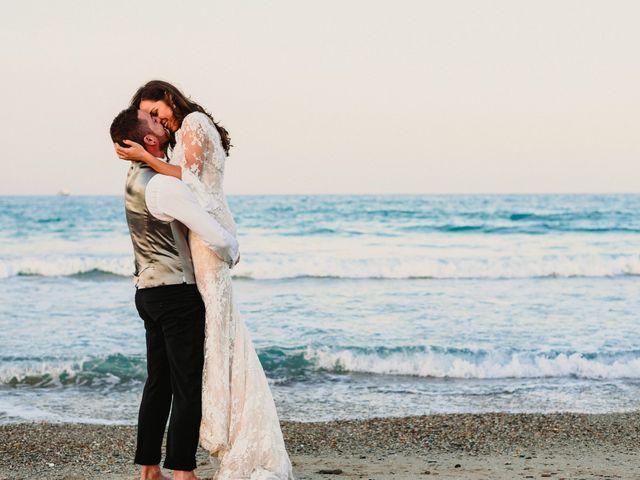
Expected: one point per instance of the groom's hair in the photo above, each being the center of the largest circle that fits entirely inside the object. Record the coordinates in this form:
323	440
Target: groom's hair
127	126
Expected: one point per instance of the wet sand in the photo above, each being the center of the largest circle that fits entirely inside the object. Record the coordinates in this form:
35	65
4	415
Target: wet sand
454	446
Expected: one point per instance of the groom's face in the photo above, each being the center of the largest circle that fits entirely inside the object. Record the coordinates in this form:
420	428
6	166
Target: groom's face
154	127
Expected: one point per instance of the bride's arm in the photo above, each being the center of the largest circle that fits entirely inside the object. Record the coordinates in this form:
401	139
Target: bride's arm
197	148
136	152
195	143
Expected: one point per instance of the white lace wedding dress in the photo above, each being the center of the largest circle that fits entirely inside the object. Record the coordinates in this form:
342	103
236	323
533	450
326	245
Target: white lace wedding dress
240	424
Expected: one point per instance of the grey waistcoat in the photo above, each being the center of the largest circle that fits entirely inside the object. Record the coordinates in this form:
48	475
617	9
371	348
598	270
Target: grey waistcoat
161	250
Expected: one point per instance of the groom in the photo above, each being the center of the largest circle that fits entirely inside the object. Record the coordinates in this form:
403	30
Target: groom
160	210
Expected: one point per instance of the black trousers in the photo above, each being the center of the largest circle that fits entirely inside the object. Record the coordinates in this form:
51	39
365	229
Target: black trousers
174	317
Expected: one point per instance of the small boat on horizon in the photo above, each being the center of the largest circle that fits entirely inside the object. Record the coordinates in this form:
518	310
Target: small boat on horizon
65	192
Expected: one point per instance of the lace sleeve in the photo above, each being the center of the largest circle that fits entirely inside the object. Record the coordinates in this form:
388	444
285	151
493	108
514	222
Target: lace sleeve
195	143
197	149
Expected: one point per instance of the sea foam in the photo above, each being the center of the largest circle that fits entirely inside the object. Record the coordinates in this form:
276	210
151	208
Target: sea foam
306	361
446	363
262	267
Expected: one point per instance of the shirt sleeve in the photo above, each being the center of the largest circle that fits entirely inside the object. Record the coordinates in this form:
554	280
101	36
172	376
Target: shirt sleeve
169	199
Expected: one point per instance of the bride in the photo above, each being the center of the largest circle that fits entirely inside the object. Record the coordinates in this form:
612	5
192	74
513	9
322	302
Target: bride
239	424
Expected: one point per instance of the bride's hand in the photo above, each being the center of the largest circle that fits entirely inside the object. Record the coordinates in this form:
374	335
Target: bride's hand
135	152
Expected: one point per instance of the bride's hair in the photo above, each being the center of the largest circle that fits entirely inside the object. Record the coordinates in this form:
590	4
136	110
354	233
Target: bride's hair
180	104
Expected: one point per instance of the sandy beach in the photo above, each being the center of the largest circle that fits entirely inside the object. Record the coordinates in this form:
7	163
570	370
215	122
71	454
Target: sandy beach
453	446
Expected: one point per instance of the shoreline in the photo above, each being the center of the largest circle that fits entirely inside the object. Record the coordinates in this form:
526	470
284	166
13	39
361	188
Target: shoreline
473	446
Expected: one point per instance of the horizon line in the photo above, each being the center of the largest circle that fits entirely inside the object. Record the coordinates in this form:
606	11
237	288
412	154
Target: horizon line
346	194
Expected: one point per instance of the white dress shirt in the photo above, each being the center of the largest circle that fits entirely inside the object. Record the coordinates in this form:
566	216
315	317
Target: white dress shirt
168	199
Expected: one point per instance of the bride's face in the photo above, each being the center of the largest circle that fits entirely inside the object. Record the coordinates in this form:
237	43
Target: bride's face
161	111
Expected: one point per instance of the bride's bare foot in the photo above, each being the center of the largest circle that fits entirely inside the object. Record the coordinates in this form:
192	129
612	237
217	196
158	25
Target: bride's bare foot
182	475
152	472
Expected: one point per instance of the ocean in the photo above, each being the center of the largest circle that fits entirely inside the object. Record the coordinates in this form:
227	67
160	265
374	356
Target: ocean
358	306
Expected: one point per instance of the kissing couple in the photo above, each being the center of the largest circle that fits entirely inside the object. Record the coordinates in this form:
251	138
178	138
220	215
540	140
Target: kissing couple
203	373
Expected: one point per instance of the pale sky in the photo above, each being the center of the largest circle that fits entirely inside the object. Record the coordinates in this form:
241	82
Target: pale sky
334	96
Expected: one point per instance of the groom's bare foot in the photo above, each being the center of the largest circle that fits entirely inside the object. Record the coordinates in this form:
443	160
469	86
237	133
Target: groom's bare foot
152	472
182	475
